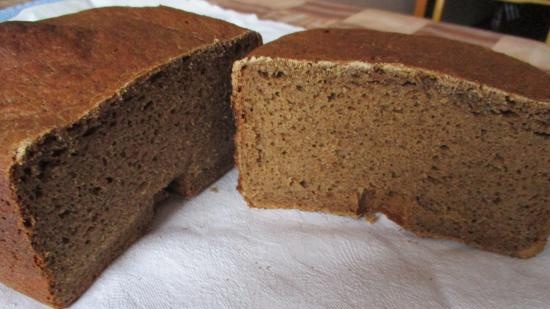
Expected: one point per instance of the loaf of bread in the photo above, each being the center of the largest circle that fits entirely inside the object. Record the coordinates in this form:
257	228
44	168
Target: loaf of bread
447	139
99	112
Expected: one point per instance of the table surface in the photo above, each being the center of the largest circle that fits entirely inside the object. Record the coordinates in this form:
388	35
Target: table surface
329	13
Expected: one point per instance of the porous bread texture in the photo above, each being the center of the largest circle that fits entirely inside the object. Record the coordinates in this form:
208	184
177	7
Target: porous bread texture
83	162
442	156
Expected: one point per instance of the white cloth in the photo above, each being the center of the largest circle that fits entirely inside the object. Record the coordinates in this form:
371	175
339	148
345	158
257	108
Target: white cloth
215	252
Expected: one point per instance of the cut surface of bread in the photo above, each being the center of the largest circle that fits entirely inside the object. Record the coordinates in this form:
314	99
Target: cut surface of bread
100	111
447	139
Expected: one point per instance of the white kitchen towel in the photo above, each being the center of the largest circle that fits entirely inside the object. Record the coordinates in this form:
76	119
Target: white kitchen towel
214	252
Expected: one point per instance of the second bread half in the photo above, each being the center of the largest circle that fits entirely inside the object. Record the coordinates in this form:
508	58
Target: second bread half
447	139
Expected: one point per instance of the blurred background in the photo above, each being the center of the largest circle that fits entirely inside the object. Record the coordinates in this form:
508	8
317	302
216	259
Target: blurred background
524	18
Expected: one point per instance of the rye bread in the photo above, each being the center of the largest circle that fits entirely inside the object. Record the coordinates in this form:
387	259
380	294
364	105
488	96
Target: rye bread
99	112
448	139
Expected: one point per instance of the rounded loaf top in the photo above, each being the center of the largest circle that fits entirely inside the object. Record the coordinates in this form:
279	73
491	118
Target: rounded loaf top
56	71
462	60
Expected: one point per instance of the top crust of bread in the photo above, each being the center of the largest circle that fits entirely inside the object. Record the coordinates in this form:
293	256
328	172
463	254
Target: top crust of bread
86	65
473	63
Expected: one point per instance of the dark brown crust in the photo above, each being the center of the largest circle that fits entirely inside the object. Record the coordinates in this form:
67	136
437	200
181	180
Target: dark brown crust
89	73
466	61
20	266
55	73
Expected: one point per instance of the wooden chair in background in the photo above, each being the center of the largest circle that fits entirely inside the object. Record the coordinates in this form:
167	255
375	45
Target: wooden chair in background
420	9
421	6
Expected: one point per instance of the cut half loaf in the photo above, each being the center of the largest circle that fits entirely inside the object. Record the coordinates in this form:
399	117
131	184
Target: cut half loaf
99	112
447	139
